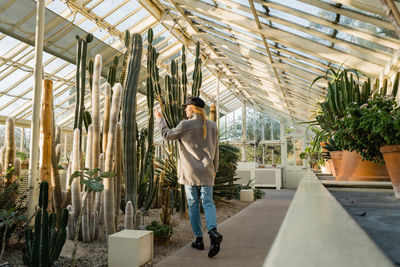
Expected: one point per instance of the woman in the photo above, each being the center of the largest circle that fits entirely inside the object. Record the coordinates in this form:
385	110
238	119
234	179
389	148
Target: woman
198	149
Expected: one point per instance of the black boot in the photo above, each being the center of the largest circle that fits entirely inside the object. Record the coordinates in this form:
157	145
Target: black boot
198	243
216	239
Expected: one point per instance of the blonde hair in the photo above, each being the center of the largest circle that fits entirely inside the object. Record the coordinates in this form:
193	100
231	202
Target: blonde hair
202	112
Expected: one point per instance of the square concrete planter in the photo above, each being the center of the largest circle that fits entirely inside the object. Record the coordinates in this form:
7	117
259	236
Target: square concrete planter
130	248
247	195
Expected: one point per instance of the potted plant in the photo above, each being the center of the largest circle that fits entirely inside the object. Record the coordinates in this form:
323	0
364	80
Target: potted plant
373	130
162	233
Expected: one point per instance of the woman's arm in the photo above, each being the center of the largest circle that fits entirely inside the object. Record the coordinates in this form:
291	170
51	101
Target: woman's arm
170	134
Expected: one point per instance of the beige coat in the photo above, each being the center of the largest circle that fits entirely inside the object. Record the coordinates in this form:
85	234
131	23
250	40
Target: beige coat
198	156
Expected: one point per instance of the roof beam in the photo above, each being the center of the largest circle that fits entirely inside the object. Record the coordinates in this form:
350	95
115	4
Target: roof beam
284	37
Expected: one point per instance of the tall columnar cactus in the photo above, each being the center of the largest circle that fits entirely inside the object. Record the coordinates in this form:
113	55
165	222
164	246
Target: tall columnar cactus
55	176
75	186
148	166
44	245
9	144
165	214
81	55
106	118
46	139
127	42
129	120
119	172
112	72
109	203
197	75
2	158
129	216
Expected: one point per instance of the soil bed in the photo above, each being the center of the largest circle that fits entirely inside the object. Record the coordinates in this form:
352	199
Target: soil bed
95	253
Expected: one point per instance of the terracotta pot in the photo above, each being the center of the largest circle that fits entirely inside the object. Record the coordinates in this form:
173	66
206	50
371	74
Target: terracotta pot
353	168
162	240
391	154
336	159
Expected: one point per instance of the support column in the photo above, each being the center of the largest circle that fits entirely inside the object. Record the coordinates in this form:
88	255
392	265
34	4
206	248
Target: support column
244	138
37	88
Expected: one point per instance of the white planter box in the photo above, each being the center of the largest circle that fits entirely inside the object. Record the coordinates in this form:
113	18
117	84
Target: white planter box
131	248
247	195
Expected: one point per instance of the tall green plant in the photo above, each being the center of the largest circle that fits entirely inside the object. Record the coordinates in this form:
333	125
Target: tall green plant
81	54
129	126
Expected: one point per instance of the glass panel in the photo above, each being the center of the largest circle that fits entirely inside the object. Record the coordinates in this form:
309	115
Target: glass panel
259	154
290	153
249	153
276	127
267	128
268	159
298	148
250	124
277	157
258	124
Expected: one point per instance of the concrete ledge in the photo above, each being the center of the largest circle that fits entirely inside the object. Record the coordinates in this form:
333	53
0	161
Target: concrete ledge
358	184
317	231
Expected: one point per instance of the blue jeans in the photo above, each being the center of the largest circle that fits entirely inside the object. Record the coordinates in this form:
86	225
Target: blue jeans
192	197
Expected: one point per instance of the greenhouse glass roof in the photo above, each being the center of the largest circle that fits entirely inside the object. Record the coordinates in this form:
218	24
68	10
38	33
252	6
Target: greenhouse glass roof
261	53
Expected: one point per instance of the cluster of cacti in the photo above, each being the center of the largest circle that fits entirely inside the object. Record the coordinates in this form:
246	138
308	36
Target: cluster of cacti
129	126
44	245
10	167
81	54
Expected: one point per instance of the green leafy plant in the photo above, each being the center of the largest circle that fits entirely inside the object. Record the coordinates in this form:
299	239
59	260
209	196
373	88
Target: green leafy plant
159	229
91	181
367	127
258	194
22	155
7	219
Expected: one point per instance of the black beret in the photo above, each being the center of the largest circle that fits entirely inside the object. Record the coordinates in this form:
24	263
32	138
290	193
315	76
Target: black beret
196	101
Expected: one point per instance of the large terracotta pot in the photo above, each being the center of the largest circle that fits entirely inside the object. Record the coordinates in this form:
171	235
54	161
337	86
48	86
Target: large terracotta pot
336	162
391	154
353	168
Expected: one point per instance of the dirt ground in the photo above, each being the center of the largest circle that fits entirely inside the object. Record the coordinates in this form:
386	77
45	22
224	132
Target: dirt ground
95	253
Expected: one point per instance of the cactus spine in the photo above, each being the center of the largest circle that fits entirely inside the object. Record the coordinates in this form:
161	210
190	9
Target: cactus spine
129	120
109	204
44	245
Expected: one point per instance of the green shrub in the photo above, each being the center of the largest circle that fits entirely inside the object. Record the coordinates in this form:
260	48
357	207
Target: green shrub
159	229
